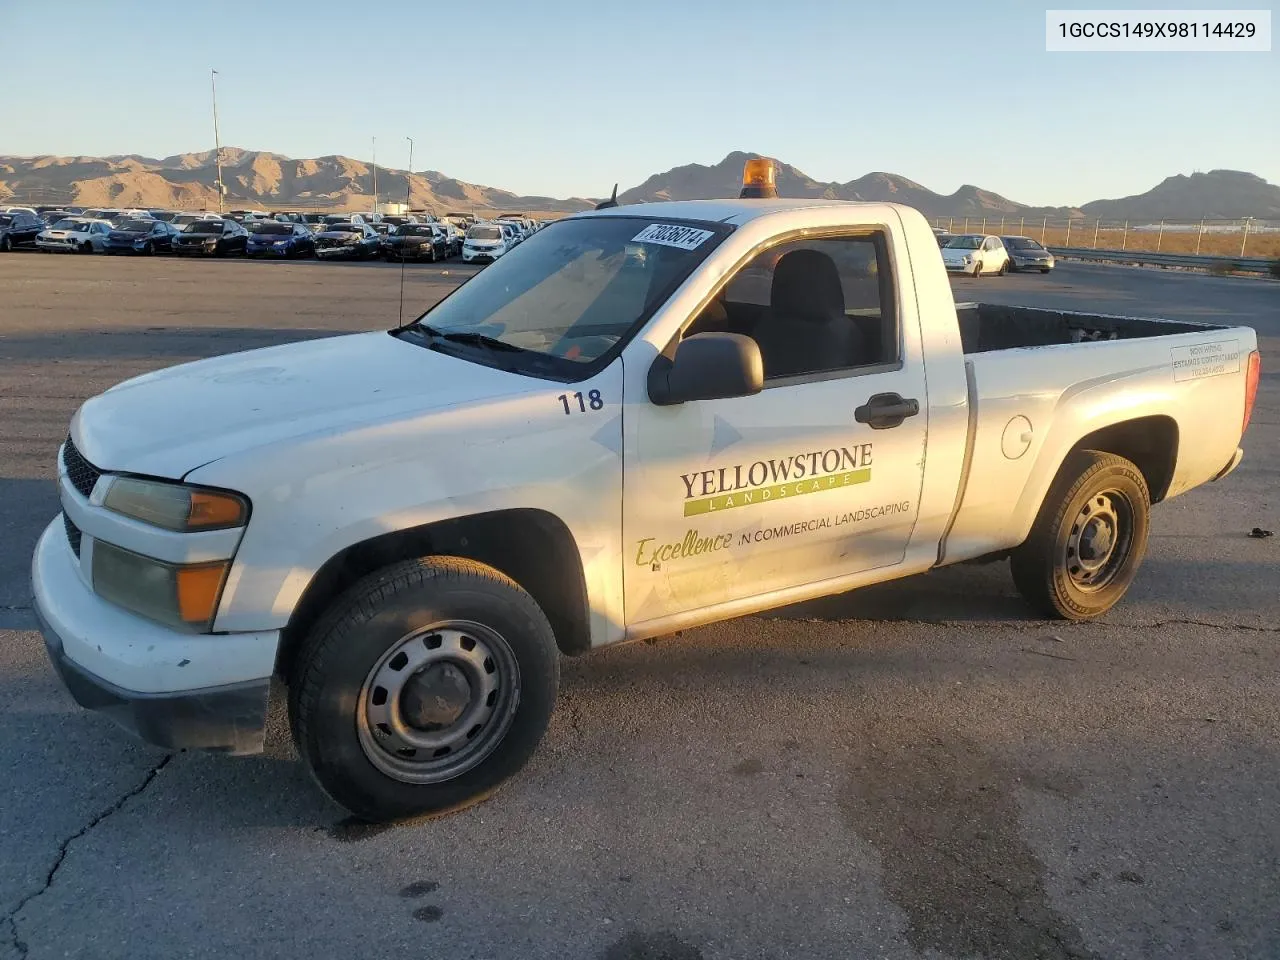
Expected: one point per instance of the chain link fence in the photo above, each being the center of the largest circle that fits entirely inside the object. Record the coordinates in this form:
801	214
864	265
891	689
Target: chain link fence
1247	237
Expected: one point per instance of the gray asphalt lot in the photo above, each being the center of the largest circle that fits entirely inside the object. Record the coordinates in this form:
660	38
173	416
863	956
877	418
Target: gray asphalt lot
919	769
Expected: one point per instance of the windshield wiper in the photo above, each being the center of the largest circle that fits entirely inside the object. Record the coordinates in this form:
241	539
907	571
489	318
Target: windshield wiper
481	340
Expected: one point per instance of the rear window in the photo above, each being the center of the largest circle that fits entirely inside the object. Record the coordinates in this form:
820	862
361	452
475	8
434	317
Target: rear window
5	219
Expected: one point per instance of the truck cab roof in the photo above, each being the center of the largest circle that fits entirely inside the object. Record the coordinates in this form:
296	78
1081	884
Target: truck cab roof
733	211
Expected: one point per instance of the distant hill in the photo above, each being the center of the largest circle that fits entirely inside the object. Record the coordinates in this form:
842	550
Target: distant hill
253	178
1213	195
263	179
697	182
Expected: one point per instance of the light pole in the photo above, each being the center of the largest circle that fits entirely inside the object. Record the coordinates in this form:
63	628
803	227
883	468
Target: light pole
217	144
375	174
408	178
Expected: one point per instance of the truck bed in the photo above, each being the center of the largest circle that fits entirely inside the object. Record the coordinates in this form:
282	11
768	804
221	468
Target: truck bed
987	326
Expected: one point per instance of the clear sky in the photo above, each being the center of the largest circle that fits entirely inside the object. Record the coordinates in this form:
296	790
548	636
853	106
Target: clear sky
564	97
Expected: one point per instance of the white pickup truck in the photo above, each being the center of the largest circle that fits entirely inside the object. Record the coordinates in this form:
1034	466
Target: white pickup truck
642	419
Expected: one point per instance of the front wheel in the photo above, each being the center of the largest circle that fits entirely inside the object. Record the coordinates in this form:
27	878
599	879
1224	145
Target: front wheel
5	244
1004	268
1088	539
977	269
424	688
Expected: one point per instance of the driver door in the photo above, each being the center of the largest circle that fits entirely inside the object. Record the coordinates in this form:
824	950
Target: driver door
739	497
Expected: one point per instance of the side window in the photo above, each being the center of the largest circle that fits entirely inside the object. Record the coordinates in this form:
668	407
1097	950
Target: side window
814	306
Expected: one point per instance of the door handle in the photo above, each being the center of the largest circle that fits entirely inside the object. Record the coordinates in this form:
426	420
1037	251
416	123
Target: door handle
885	410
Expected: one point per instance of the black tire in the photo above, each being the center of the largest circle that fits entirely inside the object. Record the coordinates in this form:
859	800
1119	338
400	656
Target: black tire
148	250
1004	268
1054	568
86	247
6	245
1044	269
977	269
333	686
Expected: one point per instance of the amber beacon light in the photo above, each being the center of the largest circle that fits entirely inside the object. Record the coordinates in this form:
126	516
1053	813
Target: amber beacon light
759	178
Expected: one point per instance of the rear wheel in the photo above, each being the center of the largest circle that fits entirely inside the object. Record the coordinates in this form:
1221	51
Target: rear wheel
1088	539
424	688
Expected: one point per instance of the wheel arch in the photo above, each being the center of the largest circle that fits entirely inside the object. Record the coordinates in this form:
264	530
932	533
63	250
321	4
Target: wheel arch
1149	442
533	547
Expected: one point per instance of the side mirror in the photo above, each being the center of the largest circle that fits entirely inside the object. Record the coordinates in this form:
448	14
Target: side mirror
707	366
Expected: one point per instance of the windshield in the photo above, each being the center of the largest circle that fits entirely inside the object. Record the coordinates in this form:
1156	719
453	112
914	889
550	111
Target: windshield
342	228
572	293
484	233
136	226
312	218
412	230
272	227
1022	243
332	218
964	243
203	226
66	225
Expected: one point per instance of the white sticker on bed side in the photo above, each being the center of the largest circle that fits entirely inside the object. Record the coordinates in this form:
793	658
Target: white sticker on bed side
672	235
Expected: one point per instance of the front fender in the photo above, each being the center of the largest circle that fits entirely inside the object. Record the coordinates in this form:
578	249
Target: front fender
315	498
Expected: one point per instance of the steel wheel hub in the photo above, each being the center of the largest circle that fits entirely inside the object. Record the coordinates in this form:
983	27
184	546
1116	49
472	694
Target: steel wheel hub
1099	540
438	702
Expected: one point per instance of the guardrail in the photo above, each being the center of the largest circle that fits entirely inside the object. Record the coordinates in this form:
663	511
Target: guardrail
1259	265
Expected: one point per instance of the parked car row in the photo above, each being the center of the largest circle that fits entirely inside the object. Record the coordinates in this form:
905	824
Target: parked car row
260	234
976	254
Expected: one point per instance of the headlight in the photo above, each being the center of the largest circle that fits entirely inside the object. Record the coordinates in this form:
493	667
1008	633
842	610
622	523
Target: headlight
180	596
172	506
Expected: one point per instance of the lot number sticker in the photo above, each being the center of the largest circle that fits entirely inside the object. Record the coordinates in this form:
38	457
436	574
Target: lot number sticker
1206	360
671	235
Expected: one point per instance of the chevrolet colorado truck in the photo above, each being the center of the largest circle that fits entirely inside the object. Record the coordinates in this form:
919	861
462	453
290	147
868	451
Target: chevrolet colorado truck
642	419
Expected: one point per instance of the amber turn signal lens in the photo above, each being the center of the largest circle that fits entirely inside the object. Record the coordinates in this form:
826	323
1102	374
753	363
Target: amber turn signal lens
214	510
198	591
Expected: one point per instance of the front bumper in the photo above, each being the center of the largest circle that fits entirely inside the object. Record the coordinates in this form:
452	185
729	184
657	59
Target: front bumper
960	267
1032	264
144	676
197	249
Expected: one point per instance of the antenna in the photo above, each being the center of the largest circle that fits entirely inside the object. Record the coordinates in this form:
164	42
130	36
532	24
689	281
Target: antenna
611	202
408	192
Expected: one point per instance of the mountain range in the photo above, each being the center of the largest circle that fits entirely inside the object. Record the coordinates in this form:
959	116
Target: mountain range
263	179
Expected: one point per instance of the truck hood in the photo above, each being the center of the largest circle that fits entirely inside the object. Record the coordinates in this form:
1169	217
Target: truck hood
169	422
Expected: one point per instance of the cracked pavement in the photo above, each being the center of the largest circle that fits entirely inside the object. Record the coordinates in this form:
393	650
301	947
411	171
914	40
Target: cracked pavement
916	770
